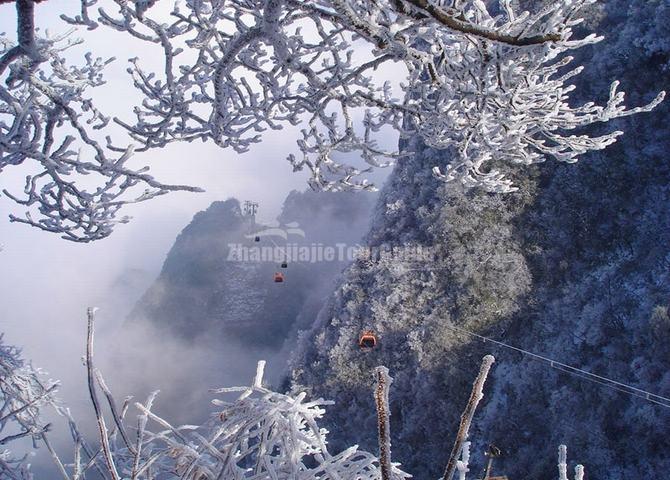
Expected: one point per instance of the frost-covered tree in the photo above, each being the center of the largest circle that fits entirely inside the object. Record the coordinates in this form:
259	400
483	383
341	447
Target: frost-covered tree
575	266
260	435
76	185
481	79
23	394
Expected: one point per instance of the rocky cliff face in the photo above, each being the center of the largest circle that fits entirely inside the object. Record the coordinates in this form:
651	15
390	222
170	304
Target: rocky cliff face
574	266
209	290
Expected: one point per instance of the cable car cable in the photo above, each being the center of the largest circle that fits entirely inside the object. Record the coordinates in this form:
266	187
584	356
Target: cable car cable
569	369
589	376
286	256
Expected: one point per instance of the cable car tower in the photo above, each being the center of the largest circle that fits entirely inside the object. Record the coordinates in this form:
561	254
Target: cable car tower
250	210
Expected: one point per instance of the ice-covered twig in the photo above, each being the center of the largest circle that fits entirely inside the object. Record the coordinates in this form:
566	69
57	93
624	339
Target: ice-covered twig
491	88
563	465
74	186
116	415
100	419
481	80
23	396
466	418
384	381
462	464
562	462
260	434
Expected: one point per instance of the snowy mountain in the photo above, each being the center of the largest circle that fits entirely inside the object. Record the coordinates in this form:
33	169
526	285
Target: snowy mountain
206	291
574	266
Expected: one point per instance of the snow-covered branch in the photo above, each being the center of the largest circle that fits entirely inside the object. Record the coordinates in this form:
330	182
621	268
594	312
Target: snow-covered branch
260	434
462	464
563	465
23	395
48	124
384	381
492	88
253	433
466	418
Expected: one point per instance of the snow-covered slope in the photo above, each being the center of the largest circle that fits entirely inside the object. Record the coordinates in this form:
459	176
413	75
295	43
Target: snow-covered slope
477	279
574	266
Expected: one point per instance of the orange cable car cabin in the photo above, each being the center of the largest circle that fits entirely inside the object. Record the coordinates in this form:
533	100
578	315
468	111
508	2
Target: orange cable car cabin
367	340
278	277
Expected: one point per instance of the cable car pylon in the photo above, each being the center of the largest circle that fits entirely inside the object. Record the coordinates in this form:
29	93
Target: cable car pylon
249	212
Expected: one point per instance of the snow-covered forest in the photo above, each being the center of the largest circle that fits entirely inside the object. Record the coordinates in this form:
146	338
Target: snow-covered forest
540	189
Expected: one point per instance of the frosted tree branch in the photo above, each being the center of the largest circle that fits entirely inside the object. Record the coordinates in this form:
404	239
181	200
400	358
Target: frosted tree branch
450	19
466	418
384	381
48	125
23	396
258	434
491	88
563	465
253	433
100	419
462	464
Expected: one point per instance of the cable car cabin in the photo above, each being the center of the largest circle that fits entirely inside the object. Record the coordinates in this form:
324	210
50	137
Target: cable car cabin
278	277
257	238
284	265
368	340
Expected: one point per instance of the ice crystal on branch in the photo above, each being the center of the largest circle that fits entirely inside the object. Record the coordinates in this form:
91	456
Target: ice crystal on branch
493	88
22	396
260	435
76	186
